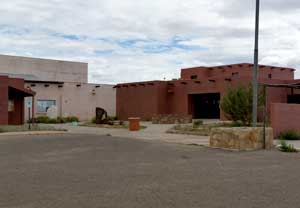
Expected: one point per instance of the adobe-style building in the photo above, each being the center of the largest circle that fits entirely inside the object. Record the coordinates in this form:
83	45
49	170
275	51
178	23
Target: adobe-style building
61	87
199	90
12	94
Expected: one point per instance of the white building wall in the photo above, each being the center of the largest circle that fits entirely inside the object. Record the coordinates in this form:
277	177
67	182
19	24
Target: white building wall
44	69
72	100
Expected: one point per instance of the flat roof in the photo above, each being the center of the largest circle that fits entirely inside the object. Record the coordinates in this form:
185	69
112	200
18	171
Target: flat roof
42	59
291	85
20	76
238	64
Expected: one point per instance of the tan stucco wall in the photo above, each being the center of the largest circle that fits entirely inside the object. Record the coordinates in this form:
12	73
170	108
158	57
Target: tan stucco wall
76	101
44	69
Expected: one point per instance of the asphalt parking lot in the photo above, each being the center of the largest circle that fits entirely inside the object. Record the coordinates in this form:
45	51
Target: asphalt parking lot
102	171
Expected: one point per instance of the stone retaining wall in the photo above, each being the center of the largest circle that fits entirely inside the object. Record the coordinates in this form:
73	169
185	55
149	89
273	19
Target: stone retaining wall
171	119
240	138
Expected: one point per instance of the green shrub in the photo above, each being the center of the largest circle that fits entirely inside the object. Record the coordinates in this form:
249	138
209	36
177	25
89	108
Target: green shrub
197	123
42	119
60	120
284	147
237	104
45	119
93	120
234	124
289	135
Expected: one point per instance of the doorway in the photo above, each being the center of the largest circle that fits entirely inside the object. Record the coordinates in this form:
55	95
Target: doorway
205	106
294	99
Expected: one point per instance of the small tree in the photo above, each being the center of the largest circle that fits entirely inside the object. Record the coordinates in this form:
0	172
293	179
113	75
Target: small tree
237	104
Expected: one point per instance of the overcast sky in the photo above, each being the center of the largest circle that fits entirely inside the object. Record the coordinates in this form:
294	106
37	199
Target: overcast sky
134	40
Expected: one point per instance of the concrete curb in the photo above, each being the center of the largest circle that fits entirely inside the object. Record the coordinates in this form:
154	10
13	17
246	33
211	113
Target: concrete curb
24	133
278	145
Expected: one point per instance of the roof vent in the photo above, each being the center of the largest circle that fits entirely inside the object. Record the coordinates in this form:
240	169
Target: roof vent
194	77
235	74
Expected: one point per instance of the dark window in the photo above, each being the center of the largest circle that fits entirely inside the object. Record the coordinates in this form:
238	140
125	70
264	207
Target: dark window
270	76
194	77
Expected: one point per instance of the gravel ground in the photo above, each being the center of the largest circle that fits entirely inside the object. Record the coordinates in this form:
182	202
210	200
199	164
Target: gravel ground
100	171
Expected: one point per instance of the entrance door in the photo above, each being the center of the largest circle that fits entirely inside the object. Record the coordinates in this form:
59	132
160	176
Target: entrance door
294	99
205	106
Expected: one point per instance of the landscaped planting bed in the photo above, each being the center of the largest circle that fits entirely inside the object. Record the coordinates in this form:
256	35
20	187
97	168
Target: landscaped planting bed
199	129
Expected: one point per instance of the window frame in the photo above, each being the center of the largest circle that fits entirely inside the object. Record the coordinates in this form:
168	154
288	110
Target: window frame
47	107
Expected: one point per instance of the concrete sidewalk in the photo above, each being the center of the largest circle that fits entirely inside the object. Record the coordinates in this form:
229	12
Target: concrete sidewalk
152	132
296	144
31	133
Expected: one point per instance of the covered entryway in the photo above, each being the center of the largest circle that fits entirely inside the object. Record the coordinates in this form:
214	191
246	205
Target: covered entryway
16	97
12	94
205	106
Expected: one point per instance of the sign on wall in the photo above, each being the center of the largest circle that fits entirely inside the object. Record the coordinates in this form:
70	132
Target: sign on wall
28	103
11	106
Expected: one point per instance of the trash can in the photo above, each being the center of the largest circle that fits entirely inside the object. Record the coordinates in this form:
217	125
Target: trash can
134	124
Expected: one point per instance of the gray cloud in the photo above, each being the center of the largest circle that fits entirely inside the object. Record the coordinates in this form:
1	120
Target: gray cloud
149	39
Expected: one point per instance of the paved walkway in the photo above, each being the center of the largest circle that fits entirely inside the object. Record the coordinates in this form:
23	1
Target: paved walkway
152	132
296	144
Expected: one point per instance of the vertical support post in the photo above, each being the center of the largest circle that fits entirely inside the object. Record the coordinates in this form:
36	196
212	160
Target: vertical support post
32	106
265	116
255	69
29	117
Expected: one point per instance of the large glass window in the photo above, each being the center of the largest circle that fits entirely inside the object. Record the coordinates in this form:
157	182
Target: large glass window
44	105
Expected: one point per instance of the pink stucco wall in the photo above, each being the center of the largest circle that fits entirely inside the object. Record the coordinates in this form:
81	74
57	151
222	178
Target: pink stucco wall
72	100
285	117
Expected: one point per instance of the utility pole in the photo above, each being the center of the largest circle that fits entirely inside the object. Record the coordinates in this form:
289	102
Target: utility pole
255	68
